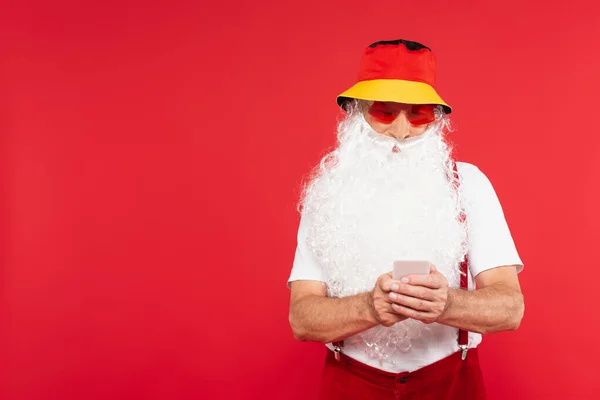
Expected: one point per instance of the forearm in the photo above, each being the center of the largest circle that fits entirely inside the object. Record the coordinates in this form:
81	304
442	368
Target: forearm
491	309
323	319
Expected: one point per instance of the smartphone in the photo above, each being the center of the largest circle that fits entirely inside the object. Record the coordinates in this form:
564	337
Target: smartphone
410	267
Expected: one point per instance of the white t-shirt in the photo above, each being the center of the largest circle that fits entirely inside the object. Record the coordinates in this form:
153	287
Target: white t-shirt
490	245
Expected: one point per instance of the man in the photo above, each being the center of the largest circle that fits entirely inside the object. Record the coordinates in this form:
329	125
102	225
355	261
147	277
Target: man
389	192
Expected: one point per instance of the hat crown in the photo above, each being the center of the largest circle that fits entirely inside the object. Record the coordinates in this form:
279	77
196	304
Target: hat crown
398	59
398	71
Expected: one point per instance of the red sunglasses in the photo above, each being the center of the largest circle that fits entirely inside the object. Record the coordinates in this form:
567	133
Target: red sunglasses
417	114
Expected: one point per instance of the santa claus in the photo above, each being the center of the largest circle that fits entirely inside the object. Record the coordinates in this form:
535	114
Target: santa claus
390	195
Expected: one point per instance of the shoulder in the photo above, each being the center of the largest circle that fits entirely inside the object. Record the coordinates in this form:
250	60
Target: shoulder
474	184
471	175
467	169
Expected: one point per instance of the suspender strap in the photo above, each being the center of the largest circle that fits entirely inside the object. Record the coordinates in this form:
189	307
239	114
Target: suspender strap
463	336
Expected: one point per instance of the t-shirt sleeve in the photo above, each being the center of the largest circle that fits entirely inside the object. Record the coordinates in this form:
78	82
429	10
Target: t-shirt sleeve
306	266
490	243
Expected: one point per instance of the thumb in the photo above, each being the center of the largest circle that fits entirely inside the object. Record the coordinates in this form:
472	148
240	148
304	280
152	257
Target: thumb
385	282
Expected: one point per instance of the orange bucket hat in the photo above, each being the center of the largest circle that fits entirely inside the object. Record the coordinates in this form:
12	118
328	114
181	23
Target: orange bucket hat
400	71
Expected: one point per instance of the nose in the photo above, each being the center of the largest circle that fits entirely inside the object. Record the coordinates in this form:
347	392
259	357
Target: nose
400	127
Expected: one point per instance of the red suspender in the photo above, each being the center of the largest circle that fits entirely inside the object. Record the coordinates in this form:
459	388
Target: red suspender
463	336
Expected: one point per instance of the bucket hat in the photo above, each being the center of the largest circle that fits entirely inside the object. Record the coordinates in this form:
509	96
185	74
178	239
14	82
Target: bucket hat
399	71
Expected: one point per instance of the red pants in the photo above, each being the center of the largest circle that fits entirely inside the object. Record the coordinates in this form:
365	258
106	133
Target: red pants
449	378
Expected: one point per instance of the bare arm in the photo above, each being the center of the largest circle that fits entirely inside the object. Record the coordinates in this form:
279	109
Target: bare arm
497	304
316	317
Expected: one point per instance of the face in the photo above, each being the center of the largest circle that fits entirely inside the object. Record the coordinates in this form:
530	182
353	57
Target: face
401	121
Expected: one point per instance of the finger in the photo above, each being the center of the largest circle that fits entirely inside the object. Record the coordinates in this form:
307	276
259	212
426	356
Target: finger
411	302
434	271
387	284
399	317
433	281
419	292
414	314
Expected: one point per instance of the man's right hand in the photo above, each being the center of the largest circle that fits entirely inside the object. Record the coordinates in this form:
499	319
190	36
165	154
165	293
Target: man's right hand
379	301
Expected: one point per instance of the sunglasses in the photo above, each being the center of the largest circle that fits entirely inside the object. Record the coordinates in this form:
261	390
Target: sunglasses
417	114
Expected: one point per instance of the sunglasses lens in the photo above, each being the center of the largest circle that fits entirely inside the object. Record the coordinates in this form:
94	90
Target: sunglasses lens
387	112
421	114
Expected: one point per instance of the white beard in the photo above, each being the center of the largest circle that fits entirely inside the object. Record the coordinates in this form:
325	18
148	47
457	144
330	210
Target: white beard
370	206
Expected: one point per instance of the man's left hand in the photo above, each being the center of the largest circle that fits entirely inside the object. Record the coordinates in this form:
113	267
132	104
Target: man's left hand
421	297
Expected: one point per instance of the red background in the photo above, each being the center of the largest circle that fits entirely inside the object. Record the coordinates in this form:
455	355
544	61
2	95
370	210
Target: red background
152	155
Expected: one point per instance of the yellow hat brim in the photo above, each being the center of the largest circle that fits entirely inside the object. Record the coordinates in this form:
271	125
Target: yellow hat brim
396	90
